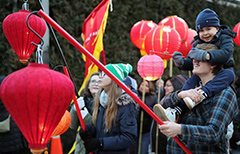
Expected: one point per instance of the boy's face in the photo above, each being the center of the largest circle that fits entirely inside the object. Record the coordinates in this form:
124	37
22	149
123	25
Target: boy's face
206	34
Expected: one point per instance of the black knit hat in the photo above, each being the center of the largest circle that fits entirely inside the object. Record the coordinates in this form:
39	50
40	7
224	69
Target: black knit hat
207	18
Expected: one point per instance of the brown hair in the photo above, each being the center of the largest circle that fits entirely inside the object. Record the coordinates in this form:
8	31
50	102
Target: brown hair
150	85
86	92
114	93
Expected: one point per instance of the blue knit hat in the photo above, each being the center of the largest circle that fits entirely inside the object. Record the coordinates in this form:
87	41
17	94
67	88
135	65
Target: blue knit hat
207	18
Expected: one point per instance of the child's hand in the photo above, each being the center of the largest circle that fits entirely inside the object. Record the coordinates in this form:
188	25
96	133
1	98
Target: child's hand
191	93
177	58
198	54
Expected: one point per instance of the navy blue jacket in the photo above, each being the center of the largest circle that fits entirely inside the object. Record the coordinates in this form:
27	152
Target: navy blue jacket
224	55
123	133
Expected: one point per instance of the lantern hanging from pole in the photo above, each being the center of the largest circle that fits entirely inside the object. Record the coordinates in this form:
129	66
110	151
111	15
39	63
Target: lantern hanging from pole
186	46
139	31
20	36
37	98
162	41
237	30
150	67
176	23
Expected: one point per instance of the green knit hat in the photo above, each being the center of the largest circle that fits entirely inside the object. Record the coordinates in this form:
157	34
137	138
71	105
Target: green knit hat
120	70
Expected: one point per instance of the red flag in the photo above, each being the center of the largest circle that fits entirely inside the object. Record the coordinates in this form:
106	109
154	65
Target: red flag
92	34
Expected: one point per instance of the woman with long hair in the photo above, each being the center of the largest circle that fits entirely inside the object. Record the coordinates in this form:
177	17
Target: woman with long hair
114	127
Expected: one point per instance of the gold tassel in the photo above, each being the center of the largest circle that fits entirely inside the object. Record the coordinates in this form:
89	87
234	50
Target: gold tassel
46	150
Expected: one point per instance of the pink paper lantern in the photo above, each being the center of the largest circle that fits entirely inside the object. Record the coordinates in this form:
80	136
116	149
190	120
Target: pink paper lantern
139	31
186	46
162	41
150	67
37	98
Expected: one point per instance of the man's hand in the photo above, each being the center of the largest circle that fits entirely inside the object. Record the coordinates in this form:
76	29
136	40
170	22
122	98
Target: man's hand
171	129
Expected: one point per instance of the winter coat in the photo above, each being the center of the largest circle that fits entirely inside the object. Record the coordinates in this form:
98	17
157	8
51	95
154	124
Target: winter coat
75	123
224	55
123	134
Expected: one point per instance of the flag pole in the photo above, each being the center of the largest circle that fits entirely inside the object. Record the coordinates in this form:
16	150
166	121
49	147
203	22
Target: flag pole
105	70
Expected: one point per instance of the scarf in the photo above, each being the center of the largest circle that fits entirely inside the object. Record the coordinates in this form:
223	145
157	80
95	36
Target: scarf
103	99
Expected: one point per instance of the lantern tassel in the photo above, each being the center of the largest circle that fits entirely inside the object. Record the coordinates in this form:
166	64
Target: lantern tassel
46	151
37	151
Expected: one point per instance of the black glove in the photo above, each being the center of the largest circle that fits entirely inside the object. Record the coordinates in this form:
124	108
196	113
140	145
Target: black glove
85	135
198	54
92	145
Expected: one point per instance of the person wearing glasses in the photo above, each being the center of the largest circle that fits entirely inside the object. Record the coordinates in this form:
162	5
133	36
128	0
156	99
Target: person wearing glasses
85	103
114	128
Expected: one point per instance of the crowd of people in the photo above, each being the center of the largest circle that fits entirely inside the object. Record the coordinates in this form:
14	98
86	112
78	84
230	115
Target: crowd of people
202	110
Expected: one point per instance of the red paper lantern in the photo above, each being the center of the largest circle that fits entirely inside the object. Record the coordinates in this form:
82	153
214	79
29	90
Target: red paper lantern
162	41
178	24
139	31
37	97
20	36
63	124
150	67
237	30
186	46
